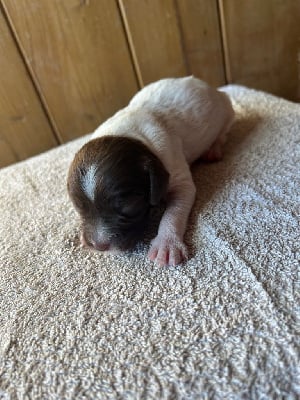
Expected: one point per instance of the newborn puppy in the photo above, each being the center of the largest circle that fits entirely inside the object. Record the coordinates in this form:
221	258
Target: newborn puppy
142	155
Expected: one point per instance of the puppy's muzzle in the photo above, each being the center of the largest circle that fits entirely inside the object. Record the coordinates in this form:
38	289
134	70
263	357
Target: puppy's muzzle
97	245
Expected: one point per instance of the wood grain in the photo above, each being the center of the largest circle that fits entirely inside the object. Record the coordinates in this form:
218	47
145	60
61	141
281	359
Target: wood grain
24	127
202	39
79	57
263	44
154	34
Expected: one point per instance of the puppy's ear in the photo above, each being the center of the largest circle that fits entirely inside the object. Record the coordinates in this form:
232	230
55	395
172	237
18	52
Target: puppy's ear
159	179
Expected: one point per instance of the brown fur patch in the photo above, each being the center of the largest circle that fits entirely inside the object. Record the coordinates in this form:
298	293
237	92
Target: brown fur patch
129	179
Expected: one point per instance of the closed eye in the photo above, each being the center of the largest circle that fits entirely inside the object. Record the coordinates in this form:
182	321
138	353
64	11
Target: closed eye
132	206
132	214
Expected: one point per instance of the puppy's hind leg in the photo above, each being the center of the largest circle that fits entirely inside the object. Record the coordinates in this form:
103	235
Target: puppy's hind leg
215	152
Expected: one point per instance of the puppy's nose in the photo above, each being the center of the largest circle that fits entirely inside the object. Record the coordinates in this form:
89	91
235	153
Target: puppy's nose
101	246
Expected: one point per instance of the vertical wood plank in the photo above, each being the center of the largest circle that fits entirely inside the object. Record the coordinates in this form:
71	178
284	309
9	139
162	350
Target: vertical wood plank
263	44
202	39
24	127
79	57
152	27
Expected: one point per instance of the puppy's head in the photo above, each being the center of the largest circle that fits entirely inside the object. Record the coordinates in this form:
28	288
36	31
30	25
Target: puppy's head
113	182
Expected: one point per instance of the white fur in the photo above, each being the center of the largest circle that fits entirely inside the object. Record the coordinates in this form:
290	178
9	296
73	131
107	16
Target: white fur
88	182
178	120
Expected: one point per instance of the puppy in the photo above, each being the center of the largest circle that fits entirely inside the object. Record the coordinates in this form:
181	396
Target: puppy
142	155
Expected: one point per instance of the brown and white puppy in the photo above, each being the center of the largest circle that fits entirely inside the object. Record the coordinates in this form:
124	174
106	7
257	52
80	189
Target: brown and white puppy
141	155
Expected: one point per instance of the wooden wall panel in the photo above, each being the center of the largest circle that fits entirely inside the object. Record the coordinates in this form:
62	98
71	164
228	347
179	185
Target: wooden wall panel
155	39
78	55
24	127
174	38
202	39
262	41
70	64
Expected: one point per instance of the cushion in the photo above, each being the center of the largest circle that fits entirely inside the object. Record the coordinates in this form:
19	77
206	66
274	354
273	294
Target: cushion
81	324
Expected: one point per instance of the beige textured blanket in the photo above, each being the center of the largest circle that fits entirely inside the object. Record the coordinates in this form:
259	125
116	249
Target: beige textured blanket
81	325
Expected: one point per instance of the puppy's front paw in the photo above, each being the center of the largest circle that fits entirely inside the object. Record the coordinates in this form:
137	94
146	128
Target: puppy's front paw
167	251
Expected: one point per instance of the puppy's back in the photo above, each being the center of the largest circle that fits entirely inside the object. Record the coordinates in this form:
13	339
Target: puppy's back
189	108
171	94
